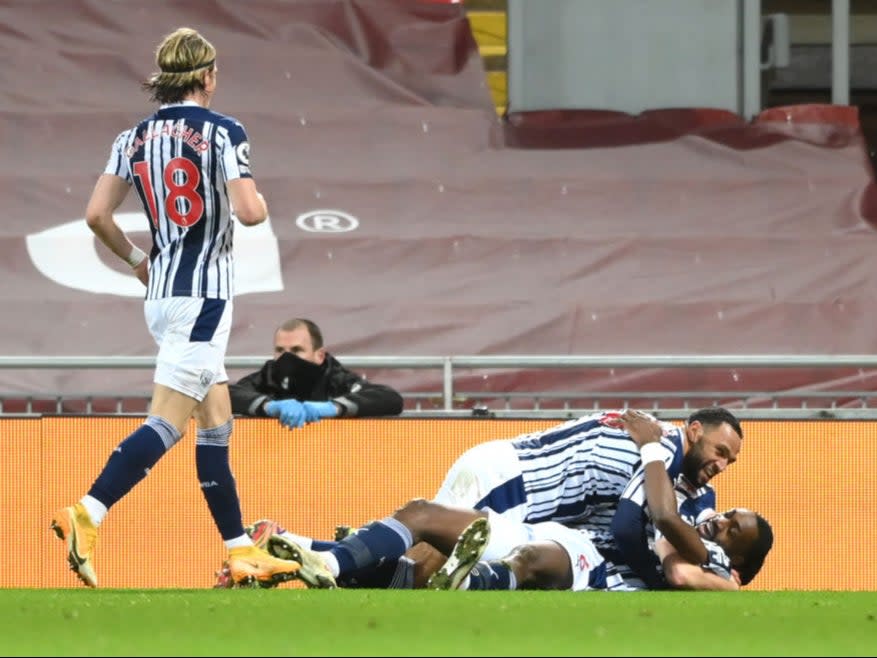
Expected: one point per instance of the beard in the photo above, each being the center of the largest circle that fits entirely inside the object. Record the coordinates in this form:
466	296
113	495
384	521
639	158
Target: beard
692	463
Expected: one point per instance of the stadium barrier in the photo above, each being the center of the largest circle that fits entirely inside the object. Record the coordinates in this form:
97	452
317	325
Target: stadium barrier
809	478
801	386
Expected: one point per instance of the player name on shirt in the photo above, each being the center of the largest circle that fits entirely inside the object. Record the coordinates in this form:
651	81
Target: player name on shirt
177	130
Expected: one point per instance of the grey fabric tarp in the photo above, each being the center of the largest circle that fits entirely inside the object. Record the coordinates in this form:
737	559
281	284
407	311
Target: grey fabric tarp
681	231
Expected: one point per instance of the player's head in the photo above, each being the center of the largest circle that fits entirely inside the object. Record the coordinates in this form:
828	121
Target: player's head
714	438
302	338
746	537
186	64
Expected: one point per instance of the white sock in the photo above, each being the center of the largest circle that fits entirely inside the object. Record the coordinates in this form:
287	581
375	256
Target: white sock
237	542
96	509
331	562
304	542
464	584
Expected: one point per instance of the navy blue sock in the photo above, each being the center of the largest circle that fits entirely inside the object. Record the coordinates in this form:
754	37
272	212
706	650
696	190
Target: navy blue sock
372	545
131	460
217	482
379	577
320	545
491	575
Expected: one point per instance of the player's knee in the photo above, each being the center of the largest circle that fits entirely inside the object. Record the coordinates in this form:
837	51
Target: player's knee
414	514
533	568
525	563
411	507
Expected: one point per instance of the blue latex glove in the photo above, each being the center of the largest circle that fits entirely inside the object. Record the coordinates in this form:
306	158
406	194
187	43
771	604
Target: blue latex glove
290	412
315	411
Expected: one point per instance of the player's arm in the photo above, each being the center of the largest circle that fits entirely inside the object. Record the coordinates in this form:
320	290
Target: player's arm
662	503
630	521
660	496
681	574
108	194
248	203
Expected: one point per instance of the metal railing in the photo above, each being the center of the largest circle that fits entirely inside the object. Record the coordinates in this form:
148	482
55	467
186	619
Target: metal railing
802	401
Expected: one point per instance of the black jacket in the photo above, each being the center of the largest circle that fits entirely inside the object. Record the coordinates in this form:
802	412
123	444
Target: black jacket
354	394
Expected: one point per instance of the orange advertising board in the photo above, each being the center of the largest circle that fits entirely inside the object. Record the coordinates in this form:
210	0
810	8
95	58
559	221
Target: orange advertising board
809	478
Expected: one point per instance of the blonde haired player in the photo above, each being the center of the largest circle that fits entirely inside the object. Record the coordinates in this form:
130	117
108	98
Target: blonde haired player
190	167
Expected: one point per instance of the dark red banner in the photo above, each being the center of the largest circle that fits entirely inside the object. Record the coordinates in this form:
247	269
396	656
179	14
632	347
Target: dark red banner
407	219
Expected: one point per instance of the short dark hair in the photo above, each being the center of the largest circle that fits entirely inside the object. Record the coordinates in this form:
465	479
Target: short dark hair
313	329
716	416
754	558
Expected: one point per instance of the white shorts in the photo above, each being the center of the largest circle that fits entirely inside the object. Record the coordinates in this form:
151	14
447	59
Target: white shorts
486	476
583	555
507	534
192	337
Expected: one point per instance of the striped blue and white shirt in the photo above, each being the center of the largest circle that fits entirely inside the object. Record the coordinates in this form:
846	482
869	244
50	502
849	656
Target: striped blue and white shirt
588	473
694	503
621	578
583	467
179	161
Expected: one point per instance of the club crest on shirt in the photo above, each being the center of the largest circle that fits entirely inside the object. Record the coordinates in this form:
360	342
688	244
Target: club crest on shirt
206	378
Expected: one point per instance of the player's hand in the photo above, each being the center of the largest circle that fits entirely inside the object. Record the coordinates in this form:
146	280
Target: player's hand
642	428
315	411
612	419
290	412
736	576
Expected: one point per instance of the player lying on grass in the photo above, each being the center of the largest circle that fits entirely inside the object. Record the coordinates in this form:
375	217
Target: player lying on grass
586	471
553	556
721	553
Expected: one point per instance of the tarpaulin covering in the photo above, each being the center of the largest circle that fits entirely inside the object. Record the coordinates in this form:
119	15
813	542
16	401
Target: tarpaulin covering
407	219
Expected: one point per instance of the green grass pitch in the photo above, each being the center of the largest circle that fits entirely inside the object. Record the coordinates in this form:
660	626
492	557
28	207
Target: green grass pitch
298	622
